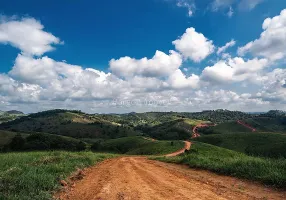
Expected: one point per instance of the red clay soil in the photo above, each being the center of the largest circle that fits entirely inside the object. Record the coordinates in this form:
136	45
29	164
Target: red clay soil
195	129
246	125
187	147
134	178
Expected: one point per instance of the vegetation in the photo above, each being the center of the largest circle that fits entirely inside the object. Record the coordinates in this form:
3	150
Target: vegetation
35	175
228	162
257	144
69	123
180	129
12	141
137	146
6	116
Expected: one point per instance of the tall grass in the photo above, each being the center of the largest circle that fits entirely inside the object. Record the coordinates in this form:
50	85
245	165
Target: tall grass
34	175
228	162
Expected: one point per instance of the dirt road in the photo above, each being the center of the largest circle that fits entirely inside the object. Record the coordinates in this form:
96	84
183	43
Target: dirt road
187	147
133	178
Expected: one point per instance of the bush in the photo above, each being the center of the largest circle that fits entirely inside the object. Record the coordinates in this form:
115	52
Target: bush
17	143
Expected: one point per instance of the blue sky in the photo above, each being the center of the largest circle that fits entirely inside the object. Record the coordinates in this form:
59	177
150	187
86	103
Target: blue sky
92	33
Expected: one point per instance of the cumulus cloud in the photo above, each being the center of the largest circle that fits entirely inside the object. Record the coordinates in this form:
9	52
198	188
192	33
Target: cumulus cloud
178	80
27	34
233	70
194	45
272	41
226	46
159	66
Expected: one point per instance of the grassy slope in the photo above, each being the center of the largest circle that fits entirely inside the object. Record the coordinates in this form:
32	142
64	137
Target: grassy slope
259	144
7	136
35	175
140	146
228	162
179	129
67	123
268	124
230	127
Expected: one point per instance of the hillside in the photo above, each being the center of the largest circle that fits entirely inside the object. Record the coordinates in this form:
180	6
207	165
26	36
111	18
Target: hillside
16	141
257	144
180	129
137	146
69	123
6	116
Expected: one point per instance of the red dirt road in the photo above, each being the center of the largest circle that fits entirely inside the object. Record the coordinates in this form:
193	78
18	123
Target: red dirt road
246	125
187	147
134	178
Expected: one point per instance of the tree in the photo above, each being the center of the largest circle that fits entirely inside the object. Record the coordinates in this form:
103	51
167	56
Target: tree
17	143
81	146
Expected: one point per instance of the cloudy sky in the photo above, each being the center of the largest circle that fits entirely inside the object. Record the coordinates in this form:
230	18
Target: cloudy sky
145	55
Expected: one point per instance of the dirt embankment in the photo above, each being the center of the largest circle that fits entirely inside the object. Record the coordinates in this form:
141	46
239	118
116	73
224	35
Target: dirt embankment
133	178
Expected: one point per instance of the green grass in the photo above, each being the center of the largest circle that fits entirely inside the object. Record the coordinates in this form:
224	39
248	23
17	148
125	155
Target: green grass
140	146
35	175
228	162
258	144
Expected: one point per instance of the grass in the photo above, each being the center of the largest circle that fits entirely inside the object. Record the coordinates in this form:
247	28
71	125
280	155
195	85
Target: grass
258	144
140	146
228	162
35	175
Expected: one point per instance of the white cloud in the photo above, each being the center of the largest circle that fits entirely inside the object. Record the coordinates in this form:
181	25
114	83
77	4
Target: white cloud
226	46
189	4
248	4
272	41
27	34
233	70
194	45
159	66
178	80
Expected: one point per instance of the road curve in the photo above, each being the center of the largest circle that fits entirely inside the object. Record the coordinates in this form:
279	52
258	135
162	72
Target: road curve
187	147
134	178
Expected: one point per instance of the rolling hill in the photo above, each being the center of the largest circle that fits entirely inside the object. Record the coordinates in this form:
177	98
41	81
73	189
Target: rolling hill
138	146
69	123
257	144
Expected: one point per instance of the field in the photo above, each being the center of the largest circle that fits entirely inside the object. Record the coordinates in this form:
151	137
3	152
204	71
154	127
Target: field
257	144
228	162
138	146
35	175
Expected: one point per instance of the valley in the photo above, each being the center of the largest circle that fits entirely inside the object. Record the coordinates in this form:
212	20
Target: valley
152	155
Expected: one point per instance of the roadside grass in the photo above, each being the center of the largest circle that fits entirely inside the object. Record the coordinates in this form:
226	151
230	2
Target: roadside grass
223	161
35	175
139	146
271	145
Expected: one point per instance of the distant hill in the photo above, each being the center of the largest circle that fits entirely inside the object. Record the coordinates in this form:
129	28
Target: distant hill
6	116
14	112
138	146
39	141
257	144
69	123
179	129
